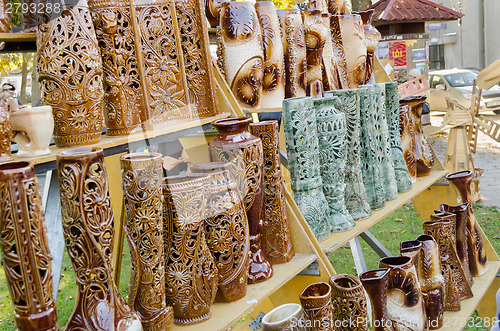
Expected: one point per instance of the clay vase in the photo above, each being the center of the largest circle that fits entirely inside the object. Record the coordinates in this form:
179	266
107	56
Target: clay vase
431	280
411	248
339	57
348	302
336	7
5	135
424	155
375	283
355	194
191	272
405	306
353	40
294	46
4	18
32	130
226	230
212	11
273	88
408	143
315	33
403	178
276	239
299	124
372	37
478	262
289	316
240	54
142	195
25	252
236	145
332	130
88	226
71	76
328	63
316	300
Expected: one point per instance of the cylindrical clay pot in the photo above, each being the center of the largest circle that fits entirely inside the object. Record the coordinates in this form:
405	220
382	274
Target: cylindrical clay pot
289	316
316	300
348	302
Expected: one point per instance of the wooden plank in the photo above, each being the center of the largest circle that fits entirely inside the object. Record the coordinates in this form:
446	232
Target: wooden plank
18	36
264	110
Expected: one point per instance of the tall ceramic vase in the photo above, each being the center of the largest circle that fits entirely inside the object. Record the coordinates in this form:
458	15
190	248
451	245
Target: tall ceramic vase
236	145
315	33
340	62
25	253
294	46
372	37
408	143
88	226
5	134
212	11
355	194
288	316
316	300
142	195
332	132
411	248
226	230
375	283
70	74
276	237
191	272
353	41
403	178
349	302
478	262
328	59
405	306
300	129
240	53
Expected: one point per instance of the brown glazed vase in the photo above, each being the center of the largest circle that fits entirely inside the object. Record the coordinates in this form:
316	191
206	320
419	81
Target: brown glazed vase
405	306
226	229
294	46
70	74
375	283
372	37
408	142
88	225
424	153
5	134
191	272
276	239
315	34
478	262
411	248
141	180
353	41
316	300
431	280
236	145
348	303
26	257
212	11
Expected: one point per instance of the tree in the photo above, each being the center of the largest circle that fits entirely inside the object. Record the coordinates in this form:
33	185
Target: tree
283	4
360	5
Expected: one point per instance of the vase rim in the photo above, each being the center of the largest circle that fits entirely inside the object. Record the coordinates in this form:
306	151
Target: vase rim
335	279
15	168
264	123
84	152
396	261
409	245
290	310
373	274
460	208
231	121
32	110
211	166
325	291
443	215
425	238
459	174
140	156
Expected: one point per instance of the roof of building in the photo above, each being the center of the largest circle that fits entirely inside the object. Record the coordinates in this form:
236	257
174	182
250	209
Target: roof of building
394	11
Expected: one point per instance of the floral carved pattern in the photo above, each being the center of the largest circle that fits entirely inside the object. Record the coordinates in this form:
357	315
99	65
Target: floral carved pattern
407	132
5	134
316	301
339	59
295	55
349	302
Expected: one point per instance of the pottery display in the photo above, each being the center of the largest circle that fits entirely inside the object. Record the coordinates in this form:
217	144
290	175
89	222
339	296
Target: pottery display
375	283
348	302
315	34
212	11
299	124
273	87
316	300
354	194
411	248
339	58
276	239
289	316
294	46
4	18
424	153
403	179
239	52
332	130
353	41
478	262
5	134
408	143
236	145
88	225
372	37
70	75
142	195
191	272
226	230
25	252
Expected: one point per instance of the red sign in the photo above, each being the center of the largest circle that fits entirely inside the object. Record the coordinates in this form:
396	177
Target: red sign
397	52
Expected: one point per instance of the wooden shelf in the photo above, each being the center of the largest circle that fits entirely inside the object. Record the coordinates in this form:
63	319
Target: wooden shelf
338	239
18	36
226	314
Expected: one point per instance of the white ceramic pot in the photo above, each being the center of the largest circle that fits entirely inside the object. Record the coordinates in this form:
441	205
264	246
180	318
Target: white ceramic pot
32	130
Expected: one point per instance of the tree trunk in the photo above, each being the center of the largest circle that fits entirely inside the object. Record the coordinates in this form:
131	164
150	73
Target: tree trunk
359	5
24	77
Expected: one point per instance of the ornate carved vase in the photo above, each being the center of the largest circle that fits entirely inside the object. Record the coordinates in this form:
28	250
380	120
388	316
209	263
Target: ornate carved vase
289	316
87	219
70	74
273	88
332	132
431	280
4	18
191	272
349	302
240	53
315	33
26	257
142	195
339	56
5	135
372	37
276	239
353	40
236	145
424	153
226	230
336	7
294	46
375	283
32	130
408	144
403	178
478	262
316	300
299	124
411	248
328	62
355	193
405	306
212	11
